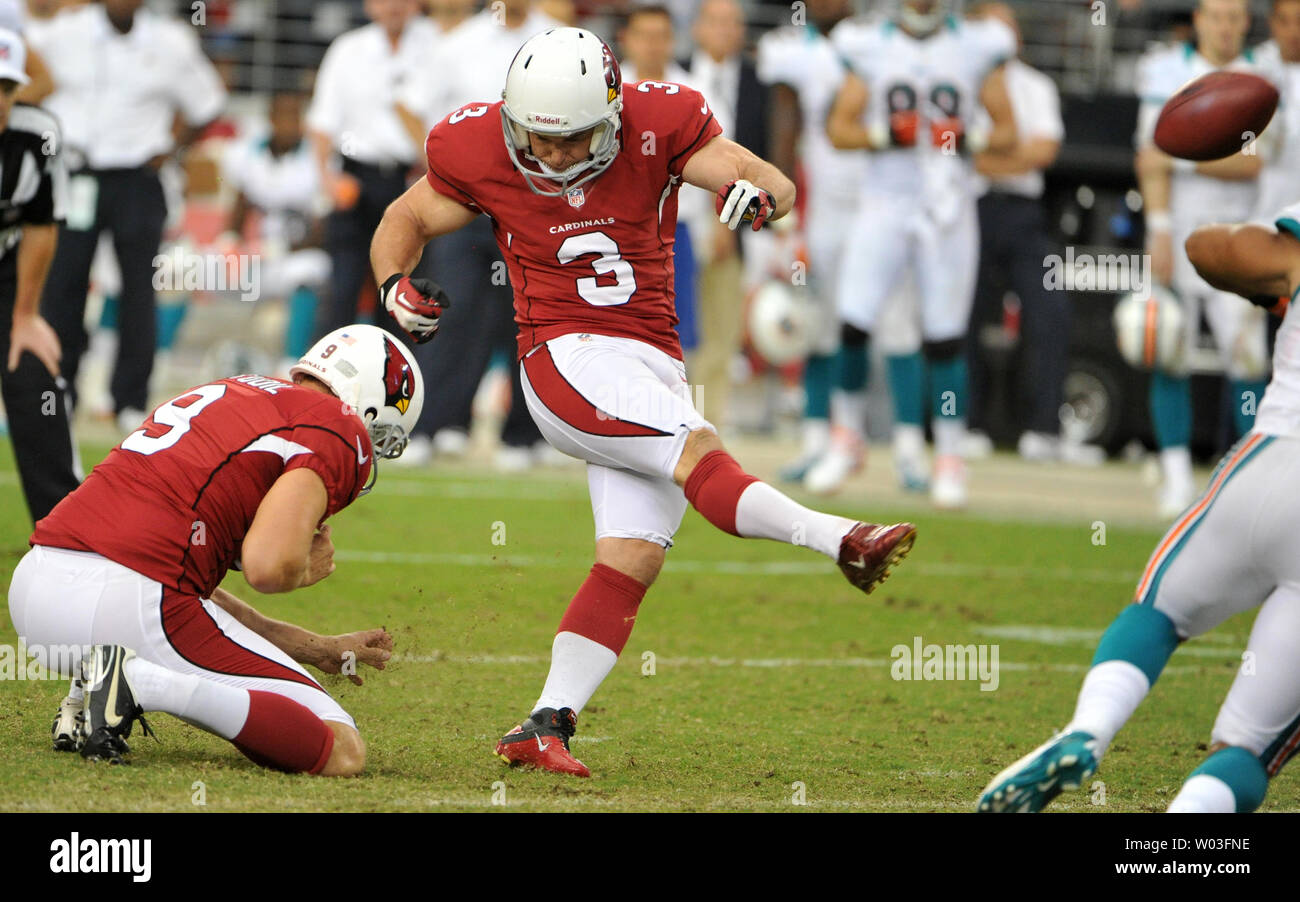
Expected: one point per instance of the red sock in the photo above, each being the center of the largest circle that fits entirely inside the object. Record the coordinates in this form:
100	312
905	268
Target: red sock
604	610
714	489
282	734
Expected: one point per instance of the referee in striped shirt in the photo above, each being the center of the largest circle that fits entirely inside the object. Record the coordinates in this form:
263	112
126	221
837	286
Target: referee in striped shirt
32	186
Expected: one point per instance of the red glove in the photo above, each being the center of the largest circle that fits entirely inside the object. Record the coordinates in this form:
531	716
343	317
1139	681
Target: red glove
416	304
741	201
948	134
903	126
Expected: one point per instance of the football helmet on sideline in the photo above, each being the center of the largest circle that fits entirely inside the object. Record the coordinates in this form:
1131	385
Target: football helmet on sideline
1150	328
782	323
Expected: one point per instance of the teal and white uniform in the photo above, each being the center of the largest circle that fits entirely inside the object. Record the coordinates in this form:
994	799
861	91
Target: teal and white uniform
1194	200
804	59
1234	550
917	210
1279	183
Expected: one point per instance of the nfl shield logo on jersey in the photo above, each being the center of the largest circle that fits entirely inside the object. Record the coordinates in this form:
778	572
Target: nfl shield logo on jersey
576	197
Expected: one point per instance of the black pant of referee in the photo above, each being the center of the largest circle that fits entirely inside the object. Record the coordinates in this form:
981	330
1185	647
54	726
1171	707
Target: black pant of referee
347	241
468	265
1014	243
130	205
37	408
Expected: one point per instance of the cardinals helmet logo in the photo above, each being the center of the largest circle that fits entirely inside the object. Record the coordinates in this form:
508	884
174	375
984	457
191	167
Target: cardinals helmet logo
613	76
398	381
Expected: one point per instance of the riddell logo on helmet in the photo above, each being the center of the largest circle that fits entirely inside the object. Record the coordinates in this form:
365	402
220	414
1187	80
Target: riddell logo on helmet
398	384
548	119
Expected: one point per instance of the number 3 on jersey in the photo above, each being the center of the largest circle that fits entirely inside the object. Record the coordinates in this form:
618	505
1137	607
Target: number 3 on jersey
469	112
171	421
608	262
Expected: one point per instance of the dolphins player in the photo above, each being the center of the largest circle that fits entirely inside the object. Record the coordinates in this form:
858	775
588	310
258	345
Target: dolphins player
925	91
1232	551
1177	196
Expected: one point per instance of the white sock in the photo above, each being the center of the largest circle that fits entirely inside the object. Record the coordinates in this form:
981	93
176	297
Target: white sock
909	440
77	690
849	411
765	513
948	435
816	437
1204	794
1176	465
578	666
209	705
1110	694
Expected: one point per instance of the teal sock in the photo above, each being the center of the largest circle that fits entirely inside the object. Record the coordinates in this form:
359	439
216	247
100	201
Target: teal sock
852	366
1246	395
948	387
907	385
1142	636
169	317
302	322
1243	773
818	378
108	313
1171	409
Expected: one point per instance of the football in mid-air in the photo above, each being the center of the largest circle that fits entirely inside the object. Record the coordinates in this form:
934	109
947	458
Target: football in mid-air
1215	115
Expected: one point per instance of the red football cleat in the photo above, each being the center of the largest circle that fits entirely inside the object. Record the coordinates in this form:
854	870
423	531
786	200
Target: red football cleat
542	740
869	552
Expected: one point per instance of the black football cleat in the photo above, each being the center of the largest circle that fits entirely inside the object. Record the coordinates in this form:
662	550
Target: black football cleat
110	707
542	740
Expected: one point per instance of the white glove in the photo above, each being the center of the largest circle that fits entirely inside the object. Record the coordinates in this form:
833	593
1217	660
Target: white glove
742	201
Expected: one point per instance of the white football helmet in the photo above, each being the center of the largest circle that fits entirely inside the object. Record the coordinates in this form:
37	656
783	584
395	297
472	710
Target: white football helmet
376	375
1151	330
562	81
781	324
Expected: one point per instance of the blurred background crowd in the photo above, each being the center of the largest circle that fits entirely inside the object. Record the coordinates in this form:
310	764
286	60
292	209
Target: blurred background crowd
229	160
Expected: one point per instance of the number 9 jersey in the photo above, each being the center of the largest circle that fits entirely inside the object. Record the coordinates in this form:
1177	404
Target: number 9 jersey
598	259
174	501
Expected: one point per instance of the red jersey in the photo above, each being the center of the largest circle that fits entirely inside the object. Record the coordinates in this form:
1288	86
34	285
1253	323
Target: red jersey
175	499
600	258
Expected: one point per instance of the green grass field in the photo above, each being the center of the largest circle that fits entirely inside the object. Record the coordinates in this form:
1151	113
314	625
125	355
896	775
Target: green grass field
769	670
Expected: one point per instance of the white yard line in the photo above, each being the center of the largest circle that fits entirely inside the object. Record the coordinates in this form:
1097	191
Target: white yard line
1231	646
438	657
762	568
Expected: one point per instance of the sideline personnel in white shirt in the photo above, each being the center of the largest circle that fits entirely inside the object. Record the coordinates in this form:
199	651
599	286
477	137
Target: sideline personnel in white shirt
122	74
470	67
364	152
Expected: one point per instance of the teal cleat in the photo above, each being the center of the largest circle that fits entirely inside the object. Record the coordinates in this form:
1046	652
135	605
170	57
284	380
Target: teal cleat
1063	762
796	471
